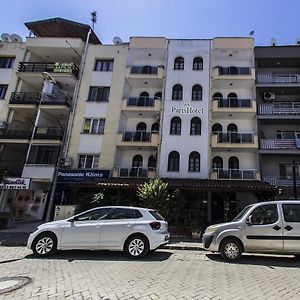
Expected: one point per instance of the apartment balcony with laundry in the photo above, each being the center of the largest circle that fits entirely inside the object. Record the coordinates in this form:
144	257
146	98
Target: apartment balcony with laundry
234	140
131	172
138	139
238	174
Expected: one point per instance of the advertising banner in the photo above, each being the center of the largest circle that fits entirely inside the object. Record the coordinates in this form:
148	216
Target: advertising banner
79	175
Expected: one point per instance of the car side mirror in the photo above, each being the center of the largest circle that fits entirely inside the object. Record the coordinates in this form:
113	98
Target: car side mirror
249	220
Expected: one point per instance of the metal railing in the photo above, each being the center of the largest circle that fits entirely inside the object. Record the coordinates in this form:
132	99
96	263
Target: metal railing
48	67
133	171
49	133
280	108
235	137
54	99
150	70
136	136
25	98
233	103
281	180
249	174
15	134
278	79
279	144
234	71
141	101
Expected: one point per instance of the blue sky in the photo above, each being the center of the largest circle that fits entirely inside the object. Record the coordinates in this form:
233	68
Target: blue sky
168	18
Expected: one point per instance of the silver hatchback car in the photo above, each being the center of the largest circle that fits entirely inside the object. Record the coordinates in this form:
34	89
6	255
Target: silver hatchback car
266	227
134	230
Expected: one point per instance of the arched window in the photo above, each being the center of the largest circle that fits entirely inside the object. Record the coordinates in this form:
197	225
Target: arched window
173	161
179	63
175	127
152	163
197	92
194	162
195	126
216	128
233	163
141	126
137	161
233	100
217	162
158	96
198	63
155	128
143	99
177	92
232	128
217	96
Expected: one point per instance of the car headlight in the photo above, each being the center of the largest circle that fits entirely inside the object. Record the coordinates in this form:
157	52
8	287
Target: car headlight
211	229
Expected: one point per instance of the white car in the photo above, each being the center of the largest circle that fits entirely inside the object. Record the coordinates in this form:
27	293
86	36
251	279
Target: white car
120	228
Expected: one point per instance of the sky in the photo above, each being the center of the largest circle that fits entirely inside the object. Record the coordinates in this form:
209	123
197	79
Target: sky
198	19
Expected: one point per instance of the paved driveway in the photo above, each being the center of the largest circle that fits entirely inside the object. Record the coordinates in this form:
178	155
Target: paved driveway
165	274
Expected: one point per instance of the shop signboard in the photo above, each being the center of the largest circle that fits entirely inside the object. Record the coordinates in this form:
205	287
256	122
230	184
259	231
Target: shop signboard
15	184
79	175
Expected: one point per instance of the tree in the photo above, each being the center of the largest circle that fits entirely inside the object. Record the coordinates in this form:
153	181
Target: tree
155	194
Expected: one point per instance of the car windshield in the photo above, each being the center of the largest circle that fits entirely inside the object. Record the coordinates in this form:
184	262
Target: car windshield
242	213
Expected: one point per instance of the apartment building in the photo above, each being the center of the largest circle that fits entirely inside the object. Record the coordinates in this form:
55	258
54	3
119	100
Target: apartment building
278	103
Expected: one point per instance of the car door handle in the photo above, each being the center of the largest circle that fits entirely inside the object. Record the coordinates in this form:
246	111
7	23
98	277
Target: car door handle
288	228
276	227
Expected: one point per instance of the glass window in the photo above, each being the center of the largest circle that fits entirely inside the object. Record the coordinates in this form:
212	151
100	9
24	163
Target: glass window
175	126
264	215
98	93
104	65
94	125
156	215
177	93
173	161
43	155
198	63
197	92
3	89
97	214
123	213
291	213
179	63
88	161
194	162
7	62
195	126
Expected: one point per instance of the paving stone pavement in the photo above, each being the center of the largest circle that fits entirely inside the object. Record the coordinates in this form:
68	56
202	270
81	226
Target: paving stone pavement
165	274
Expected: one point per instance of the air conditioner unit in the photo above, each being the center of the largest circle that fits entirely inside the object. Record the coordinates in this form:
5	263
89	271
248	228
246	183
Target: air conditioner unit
269	96
65	162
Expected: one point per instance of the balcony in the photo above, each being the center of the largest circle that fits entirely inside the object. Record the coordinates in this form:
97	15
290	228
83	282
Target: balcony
138	139
280	146
56	68
244	174
278	80
54	99
25	98
15	136
48	133
234	140
240	107
133	105
278	110
134	172
281	181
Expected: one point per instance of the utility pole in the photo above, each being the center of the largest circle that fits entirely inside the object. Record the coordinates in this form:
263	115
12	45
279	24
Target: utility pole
94	18
294	180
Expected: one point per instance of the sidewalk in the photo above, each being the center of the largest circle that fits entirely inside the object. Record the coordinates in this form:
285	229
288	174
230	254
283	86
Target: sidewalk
18	235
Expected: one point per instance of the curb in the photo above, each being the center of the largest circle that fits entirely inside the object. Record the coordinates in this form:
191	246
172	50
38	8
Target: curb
13	243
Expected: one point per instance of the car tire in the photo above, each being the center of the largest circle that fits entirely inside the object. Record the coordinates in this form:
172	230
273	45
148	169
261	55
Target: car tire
231	250
136	246
44	244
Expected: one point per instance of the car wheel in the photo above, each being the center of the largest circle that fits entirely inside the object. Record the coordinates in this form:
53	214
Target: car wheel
44	244
231	250
137	246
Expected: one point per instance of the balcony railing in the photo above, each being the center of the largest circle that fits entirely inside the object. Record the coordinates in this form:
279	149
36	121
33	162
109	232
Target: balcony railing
280	108
234	71
134	172
235	137
279	144
48	67
236	174
234	103
284	181
144	70
49	133
25	98
278	79
54	99
16	134
136	136
141	101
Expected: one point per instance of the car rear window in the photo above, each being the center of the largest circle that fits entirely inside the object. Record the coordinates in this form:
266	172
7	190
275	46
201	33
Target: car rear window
156	215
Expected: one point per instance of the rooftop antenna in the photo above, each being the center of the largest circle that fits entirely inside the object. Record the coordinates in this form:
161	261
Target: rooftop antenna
94	18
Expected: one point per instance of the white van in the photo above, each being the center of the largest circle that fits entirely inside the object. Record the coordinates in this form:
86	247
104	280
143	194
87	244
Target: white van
266	227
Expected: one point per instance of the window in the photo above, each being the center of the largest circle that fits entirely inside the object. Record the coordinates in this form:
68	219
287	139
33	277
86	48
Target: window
151	163
156	215
43	155
194	162
104	65
265	214
141	126
286	170
291	212
232	127
195	126
175	127
123	213
216	128
233	163
96	214
7	62
155	128
94	125
3	89
98	93
179	63
177	92
88	161
217	162
173	161
197	92
158	96
198	64
137	161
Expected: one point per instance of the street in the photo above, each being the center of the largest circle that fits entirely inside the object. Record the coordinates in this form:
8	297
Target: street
165	274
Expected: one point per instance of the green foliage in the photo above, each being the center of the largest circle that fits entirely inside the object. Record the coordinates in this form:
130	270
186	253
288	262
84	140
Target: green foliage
155	194
88	200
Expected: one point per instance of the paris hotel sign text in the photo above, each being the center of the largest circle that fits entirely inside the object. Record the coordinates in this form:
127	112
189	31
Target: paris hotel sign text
186	109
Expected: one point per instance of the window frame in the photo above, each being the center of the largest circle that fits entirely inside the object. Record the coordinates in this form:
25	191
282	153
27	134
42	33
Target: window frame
88	129
197	94
7	62
3	91
174	166
195	128
106	65
94	164
177	92
195	162
260	207
179	63
175	128
284	205
98	94
198	66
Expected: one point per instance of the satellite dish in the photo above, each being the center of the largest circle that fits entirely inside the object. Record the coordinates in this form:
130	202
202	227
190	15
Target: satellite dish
5	37
273	42
48	77
15	38
117	40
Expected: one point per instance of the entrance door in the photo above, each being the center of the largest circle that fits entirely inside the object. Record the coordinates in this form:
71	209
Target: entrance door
217	208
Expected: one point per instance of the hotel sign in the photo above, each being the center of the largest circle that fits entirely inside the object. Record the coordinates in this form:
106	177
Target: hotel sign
79	175
186	109
15	184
